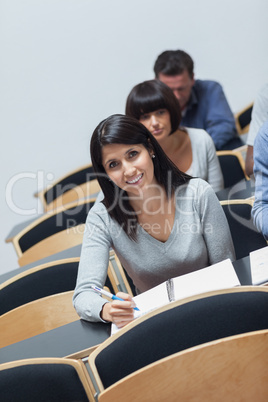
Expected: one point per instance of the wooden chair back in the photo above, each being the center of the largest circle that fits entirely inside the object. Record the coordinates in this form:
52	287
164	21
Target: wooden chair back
45	379
53	232
245	235
53	244
230	369
232	166
37	317
79	184
243	119
37	282
55	277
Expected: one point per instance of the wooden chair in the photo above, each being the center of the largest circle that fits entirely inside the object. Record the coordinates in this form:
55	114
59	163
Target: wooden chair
245	235
37	317
178	326
76	185
232	166
243	119
43	380
230	369
38	282
242	151
55	277
53	232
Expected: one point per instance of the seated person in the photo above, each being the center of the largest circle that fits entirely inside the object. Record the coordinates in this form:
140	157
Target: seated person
259	116
260	207
160	222
203	103
190	149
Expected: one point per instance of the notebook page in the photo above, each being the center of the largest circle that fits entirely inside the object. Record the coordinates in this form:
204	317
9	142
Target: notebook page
259	265
152	298
218	276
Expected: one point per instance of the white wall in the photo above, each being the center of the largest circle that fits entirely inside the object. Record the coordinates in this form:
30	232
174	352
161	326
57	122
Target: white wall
67	64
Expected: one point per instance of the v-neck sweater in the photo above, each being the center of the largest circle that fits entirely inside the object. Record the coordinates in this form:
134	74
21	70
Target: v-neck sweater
200	237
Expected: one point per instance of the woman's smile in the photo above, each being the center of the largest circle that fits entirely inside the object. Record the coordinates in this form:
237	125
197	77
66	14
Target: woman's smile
135	180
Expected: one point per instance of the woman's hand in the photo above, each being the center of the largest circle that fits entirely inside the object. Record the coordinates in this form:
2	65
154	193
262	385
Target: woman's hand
119	312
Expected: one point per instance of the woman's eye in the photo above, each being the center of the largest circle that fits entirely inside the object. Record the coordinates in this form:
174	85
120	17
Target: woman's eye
132	154
112	165
161	111
144	117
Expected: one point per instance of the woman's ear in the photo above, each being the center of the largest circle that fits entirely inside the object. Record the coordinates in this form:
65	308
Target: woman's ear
150	149
151	153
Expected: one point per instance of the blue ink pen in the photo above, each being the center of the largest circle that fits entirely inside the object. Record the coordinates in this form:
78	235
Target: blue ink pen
110	295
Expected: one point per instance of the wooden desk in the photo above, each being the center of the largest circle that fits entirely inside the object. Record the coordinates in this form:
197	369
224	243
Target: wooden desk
60	342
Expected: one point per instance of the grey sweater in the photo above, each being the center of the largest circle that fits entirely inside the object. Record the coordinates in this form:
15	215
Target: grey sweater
205	160
200	237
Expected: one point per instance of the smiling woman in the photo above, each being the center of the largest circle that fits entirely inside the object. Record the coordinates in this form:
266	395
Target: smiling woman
148	202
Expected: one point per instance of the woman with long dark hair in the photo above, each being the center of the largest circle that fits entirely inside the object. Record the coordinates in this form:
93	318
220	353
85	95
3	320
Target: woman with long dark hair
161	222
192	150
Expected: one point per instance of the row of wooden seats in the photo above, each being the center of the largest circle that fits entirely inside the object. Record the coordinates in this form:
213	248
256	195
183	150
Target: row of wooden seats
200	348
231	369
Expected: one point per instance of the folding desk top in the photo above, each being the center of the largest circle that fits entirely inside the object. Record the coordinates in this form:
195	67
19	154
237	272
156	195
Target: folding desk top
60	342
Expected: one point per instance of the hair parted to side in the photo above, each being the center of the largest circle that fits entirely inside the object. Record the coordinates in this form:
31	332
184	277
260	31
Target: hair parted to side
121	129
173	62
150	96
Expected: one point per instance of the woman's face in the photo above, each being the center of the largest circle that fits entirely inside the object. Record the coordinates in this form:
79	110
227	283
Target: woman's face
130	167
158	123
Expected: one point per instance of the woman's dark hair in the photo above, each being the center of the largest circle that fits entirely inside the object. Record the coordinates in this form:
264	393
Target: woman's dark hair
150	96
121	129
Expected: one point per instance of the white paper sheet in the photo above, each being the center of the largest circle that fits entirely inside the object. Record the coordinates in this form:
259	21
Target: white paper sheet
218	276
259	265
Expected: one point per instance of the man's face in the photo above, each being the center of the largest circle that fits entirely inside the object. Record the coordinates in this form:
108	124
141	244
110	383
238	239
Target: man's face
181	86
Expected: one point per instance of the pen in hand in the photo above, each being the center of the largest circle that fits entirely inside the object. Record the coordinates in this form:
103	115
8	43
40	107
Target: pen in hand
108	294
